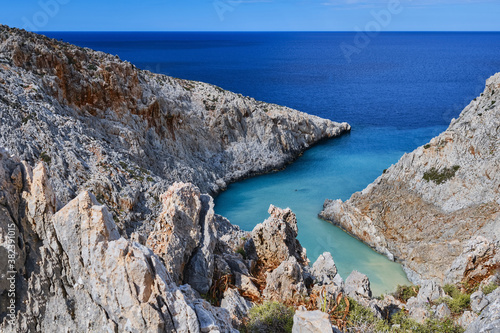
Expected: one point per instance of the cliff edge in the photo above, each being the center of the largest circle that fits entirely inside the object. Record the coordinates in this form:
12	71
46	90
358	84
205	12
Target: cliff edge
126	134
437	211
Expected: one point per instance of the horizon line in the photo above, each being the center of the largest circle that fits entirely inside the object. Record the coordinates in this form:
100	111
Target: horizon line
250	31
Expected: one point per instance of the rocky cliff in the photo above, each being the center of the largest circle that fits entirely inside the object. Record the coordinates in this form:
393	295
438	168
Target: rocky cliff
437	211
97	231
125	134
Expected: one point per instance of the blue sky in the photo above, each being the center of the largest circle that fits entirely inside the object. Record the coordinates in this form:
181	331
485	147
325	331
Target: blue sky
252	15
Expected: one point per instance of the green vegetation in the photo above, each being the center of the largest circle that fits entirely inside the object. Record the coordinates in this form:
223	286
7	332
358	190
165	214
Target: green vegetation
489	288
45	157
404	293
92	67
241	251
493	102
362	319
24	120
427	146
402	323
359	316
442	176
459	301
270	317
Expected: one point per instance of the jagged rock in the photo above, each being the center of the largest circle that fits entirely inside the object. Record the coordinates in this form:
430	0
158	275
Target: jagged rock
177	232
89	278
429	291
442	311
286	282
467	318
127	134
324	269
358	284
236	305
200	269
489	319
437	209
478	301
311	322
246	285
275	239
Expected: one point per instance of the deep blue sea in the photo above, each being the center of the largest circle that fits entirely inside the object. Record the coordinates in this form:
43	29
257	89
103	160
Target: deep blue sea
398	92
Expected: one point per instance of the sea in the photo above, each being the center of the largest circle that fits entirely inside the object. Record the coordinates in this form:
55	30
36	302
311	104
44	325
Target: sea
396	89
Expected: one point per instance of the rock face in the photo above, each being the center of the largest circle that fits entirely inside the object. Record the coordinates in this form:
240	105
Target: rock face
437	210
126	134
75	271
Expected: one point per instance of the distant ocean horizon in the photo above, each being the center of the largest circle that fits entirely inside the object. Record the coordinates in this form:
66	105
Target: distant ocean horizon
397	91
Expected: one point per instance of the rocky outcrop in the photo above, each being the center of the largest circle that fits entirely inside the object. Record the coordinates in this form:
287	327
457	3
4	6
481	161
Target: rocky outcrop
126	134
275	240
437	211
489	318
74	270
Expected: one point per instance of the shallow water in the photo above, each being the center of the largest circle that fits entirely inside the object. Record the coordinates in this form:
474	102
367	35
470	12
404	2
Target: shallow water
333	169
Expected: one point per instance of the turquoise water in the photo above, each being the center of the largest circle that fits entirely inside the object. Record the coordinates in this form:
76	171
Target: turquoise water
397	93
333	169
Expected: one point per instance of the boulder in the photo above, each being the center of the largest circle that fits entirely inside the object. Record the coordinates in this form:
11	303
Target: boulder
311	322
357	284
286	282
429	291
442	311
324	269
275	239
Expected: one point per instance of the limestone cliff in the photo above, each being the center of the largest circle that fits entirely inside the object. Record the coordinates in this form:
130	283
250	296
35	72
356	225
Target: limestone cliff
437	210
125	134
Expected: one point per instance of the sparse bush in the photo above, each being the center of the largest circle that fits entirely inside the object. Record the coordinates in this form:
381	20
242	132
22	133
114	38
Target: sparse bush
45	157
458	302
403	293
403	323
270	317
241	251
427	146
440	177
489	288
92	67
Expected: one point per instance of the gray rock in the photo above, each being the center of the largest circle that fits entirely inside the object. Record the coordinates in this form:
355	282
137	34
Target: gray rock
200	269
357	284
236	305
467	318
311	322
286	282
436	210
324	269
442	311
488	320
478	301
429	291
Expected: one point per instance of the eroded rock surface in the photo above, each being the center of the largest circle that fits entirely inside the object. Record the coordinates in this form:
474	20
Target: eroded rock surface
437	210
126	134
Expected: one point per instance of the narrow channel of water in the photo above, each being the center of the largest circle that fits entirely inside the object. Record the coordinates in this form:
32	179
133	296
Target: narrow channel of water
334	169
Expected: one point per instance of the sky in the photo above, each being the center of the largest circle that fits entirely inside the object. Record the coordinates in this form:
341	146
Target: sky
252	15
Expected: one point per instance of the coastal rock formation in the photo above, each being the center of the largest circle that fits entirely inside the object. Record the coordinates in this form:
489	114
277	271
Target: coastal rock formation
74	270
437	211
126	134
